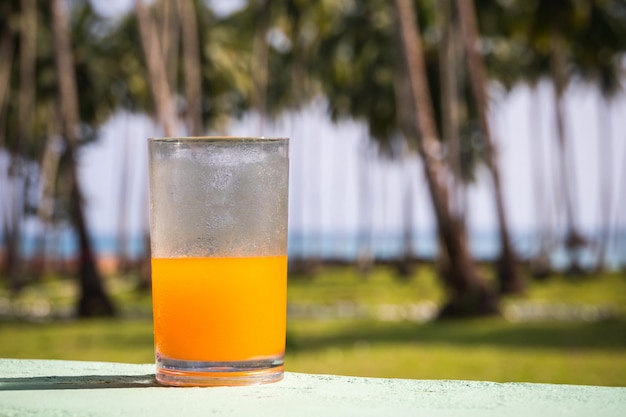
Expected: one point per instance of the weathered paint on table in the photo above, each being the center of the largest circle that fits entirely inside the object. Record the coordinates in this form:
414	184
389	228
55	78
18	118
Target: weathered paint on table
66	388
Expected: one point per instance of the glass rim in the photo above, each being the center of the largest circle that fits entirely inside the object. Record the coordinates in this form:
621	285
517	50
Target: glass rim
180	139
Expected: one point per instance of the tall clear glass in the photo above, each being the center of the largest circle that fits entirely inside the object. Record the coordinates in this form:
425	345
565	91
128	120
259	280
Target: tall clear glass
218	229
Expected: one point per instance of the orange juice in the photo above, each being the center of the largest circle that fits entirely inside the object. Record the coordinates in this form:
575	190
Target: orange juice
219	309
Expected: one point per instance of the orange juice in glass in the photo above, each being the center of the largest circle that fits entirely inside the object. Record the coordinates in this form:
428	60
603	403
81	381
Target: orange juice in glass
218	225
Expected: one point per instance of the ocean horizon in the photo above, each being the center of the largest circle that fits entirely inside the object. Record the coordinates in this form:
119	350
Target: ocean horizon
484	246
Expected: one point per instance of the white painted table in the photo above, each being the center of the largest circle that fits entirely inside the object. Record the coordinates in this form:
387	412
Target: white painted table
65	388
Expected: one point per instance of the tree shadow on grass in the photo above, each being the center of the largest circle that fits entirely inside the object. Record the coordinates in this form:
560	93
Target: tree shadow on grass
606	335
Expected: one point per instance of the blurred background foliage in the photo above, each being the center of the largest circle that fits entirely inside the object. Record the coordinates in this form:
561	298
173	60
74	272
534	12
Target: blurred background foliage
67	68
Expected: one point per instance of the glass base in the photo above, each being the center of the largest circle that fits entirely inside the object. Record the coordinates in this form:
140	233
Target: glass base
183	373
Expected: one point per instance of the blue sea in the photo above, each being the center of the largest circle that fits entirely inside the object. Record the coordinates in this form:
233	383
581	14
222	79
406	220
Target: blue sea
483	245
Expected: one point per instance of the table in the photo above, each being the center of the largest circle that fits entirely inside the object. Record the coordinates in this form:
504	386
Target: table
71	388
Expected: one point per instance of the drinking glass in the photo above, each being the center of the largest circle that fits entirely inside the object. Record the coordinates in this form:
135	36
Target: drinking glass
218	229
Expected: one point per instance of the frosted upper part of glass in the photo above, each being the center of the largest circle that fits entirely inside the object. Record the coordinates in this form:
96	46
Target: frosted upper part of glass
218	197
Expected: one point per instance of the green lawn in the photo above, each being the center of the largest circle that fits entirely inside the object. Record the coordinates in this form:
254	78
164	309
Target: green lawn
495	350
550	350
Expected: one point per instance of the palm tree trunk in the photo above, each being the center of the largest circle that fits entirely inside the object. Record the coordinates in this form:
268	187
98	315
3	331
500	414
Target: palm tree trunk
406	265
123	261
6	63
469	294
93	299
93	302
8	226
163	102
405	113
191	59
509	279
161	92
365	256
167	21
48	174
26	98
448	63
260	62
621	202
12	221
16	178
573	239
540	263
605	175
28	51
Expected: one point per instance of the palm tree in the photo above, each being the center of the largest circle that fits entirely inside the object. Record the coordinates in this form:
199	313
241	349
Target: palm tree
558	40
555	33
17	46
29	116
603	41
191	67
365	255
540	262
260	61
360	78
450	100
573	238
159	85
93	299
11	220
508	276
166	17
155	50
26	97
469	293
508	60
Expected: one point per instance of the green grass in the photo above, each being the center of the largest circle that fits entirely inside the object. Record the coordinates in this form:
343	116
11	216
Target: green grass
491	349
91	340
487	349
333	284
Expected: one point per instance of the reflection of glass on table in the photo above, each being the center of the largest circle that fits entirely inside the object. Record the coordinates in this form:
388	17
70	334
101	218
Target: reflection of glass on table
219	259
